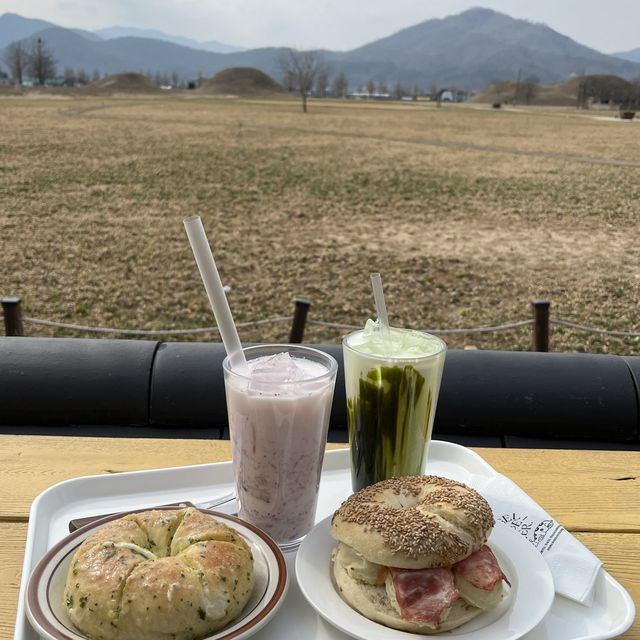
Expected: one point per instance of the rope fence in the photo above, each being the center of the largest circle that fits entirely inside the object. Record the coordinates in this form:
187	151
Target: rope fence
540	322
498	327
586	329
148	332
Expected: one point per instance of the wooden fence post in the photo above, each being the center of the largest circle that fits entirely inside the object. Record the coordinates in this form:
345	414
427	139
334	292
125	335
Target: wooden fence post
12	312
299	320
541	325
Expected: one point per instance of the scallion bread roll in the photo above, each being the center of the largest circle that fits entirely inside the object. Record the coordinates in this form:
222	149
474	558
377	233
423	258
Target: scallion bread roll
159	575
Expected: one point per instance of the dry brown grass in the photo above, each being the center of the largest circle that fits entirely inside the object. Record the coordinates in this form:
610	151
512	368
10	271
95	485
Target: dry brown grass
467	212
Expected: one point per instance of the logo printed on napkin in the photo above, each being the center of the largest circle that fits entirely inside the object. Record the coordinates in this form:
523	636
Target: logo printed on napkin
574	568
542	535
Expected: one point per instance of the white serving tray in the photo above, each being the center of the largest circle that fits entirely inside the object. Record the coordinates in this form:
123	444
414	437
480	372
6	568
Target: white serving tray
612	613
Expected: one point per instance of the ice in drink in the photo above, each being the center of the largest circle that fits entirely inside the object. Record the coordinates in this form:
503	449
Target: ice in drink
392	388
278	418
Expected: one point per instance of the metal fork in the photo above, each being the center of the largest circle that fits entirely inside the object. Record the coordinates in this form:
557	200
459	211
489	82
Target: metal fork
218	501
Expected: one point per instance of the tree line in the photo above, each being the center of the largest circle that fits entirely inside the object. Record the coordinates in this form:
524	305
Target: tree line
608	90
34	59
306	73
590	89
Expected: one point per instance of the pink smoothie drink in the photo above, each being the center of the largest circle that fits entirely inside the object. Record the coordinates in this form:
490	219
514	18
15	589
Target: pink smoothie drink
279	412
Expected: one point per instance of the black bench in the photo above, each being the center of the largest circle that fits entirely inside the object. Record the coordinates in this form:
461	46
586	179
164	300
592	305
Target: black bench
60	386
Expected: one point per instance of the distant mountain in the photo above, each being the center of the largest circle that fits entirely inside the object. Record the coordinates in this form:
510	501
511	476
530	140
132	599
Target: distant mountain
478	46
128	54
633	55
89	35
468	51
120	55
14	27
122	32
76	48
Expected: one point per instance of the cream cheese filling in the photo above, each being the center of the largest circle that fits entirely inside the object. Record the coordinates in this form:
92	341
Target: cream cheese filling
359	568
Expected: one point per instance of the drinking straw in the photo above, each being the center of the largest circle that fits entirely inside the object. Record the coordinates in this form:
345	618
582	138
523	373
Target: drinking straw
215	291
381	309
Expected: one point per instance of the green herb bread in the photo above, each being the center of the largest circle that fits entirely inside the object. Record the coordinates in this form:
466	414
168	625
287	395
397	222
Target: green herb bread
159	575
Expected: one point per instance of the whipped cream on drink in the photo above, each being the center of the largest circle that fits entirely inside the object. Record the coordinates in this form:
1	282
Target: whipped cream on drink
278	418
402	343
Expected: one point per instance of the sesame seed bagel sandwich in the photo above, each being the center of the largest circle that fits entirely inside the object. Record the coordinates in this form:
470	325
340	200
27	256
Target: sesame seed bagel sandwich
412	554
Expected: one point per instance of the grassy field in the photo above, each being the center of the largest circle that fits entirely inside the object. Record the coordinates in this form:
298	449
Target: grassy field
469	213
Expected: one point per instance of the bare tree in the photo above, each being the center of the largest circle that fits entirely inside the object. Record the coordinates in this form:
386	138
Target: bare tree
302	68
383	88
16	57
516	93
501	87
371	88
526	90
529	88
340	86
69	76
42	64
582	99
398	91
633	99
322	84
96	75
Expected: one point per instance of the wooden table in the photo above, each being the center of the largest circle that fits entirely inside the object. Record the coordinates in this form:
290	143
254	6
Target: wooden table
594	494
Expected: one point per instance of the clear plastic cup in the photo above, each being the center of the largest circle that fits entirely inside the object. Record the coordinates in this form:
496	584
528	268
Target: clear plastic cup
278	419
392	391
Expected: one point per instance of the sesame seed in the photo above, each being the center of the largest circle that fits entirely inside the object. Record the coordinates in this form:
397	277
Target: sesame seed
420	516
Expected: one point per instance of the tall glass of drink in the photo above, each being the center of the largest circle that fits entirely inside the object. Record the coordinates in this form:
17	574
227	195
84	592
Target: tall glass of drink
279	411
392	385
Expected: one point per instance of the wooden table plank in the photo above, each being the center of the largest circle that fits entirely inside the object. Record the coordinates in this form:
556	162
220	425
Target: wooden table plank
559	480
12	540
620	554
583	490
31	464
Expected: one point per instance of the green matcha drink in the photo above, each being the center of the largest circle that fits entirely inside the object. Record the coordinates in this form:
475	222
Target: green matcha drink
392	386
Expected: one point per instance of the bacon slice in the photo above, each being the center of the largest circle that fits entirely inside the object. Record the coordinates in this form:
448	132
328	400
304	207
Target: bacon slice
481	569
424	594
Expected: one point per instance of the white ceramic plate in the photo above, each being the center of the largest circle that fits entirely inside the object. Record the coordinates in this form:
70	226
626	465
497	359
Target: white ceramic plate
48	615
523	607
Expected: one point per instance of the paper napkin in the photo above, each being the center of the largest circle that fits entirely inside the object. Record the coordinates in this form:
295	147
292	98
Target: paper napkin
574	568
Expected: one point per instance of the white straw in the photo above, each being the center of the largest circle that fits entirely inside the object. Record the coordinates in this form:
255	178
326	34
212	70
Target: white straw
215	291
381	308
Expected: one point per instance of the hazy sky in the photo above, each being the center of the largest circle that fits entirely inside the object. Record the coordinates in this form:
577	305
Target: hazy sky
332	24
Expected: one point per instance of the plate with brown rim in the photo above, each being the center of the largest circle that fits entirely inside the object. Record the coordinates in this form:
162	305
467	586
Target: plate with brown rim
47	612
